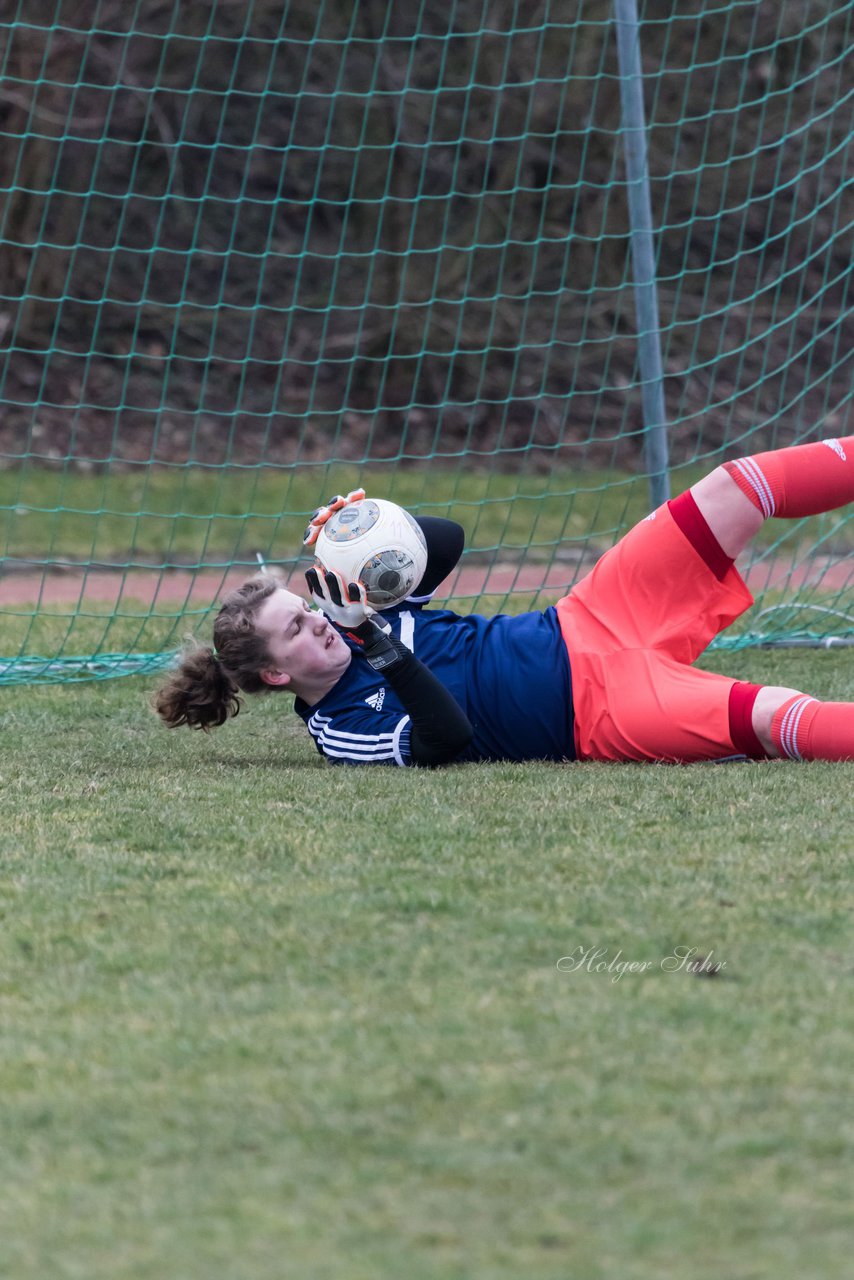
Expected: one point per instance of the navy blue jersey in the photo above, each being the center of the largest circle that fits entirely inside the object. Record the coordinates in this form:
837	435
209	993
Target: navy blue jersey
509	674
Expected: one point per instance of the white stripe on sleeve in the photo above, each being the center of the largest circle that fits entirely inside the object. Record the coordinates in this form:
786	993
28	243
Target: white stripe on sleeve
407	630
364	748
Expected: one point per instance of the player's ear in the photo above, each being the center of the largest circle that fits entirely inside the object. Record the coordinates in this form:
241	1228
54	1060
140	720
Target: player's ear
274	677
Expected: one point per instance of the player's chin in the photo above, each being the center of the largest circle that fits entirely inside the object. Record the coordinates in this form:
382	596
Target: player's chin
334	648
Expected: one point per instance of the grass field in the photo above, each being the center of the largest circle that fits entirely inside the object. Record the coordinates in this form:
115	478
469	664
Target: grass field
261	1018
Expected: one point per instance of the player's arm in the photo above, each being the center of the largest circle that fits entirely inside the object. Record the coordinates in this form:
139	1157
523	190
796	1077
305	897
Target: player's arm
445	541
440	729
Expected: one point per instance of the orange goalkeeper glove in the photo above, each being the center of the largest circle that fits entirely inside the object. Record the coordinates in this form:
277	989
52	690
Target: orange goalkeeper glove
322	514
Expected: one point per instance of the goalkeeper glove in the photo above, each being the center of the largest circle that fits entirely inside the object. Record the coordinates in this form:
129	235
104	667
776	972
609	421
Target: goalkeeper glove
322	514
344	603
329	592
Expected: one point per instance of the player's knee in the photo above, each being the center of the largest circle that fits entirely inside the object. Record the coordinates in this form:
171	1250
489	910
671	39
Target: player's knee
717	490
731	517
768	702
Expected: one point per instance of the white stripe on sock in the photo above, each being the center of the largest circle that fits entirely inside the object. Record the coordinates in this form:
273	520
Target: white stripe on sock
789	727
796	726
757	481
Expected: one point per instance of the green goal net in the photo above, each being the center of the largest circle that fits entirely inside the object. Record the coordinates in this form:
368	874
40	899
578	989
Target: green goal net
497	261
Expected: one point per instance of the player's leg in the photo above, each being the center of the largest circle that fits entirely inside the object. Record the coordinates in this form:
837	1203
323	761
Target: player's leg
795	726
730	515
670	583
643	705
804	480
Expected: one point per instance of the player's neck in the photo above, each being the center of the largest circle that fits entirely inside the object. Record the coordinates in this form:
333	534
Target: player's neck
311	691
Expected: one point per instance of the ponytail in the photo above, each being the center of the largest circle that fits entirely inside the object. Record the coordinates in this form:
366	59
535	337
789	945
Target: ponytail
199	694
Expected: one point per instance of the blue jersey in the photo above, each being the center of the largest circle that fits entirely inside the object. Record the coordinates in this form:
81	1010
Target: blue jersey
509	674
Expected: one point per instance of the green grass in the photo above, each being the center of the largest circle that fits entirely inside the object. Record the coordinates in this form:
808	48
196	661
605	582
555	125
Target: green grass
263	1018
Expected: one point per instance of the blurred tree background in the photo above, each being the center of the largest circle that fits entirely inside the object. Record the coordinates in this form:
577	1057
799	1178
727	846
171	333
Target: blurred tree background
270	230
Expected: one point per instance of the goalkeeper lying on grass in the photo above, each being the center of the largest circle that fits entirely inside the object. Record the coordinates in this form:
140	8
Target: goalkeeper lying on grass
605	674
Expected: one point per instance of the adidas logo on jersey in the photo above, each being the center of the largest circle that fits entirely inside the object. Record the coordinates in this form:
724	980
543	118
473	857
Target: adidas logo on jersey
376	700
836	447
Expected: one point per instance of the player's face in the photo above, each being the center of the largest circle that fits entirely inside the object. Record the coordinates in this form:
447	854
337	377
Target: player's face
301	641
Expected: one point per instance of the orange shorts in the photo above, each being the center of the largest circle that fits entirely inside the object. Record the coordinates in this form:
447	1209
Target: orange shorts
634	626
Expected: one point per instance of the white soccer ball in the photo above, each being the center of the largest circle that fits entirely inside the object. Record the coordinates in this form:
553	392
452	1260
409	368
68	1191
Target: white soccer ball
375	542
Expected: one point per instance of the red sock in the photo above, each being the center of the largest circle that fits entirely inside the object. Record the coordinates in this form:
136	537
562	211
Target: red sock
801	481
806	729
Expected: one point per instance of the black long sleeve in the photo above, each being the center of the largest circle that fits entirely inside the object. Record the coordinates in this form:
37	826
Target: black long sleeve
445	541
440	727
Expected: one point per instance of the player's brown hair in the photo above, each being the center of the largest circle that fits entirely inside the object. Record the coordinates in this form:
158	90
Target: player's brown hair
202	691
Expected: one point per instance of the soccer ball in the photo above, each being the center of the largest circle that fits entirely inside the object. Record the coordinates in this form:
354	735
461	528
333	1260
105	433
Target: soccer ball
375	542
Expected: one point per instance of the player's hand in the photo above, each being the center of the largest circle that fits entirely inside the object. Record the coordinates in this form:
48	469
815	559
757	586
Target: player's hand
344	603
322	514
